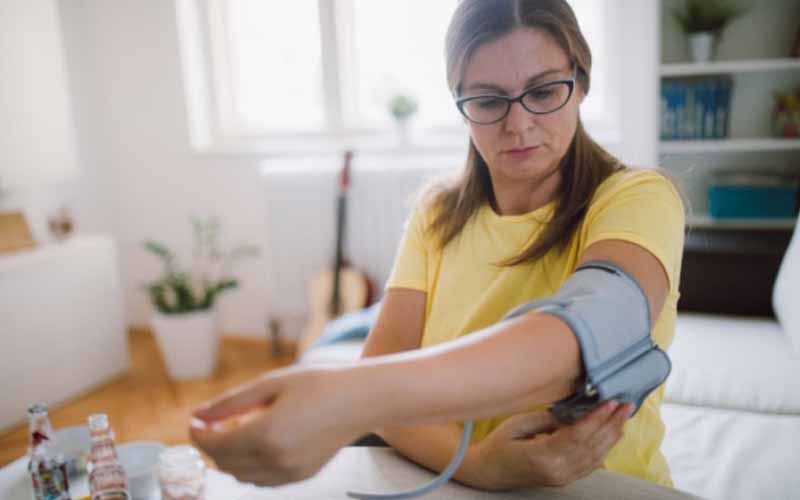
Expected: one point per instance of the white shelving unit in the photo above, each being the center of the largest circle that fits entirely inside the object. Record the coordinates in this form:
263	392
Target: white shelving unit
757	145
707	222
729	67
754	51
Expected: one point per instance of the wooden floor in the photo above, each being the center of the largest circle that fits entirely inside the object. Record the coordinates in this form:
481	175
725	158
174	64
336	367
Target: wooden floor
145	404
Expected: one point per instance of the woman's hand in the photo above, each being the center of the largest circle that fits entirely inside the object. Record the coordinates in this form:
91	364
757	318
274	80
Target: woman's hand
283	427
534	449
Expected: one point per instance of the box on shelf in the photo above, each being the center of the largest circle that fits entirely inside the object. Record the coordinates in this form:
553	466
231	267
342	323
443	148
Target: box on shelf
753	195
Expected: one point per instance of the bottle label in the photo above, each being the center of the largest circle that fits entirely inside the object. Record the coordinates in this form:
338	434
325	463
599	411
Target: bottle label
103	450
108	480
50	481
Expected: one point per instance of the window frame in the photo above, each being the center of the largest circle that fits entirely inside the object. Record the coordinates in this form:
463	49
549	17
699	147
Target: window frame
210	100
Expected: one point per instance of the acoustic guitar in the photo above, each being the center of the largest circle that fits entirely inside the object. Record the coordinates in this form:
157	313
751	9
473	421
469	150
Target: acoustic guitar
342	288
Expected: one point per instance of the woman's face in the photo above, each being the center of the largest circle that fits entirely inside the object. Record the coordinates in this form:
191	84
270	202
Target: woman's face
519	61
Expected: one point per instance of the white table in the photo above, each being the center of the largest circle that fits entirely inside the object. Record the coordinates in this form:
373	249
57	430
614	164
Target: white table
382	470
15	485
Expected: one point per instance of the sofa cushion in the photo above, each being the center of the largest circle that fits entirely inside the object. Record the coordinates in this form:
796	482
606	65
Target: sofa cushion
733	362
731	455
786	293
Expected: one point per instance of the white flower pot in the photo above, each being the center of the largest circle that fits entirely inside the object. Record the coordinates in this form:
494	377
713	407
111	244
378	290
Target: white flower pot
701	46
188	342
403	131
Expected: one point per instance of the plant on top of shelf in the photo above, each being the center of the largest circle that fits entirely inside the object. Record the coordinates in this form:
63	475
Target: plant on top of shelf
708	16
402	106
704	21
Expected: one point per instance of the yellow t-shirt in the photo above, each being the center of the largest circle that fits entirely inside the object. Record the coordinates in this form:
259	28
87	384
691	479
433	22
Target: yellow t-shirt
467	291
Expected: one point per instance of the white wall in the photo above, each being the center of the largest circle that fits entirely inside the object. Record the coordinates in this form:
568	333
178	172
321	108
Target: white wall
123	57
635	63
124	61
37	132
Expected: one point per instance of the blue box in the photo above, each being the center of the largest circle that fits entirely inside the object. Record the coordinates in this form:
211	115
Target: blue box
766	202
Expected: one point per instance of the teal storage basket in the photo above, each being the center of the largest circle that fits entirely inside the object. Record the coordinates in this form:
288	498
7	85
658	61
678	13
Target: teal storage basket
752	201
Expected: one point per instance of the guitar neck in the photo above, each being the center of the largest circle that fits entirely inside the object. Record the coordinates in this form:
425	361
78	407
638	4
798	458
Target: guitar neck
341	213
338	263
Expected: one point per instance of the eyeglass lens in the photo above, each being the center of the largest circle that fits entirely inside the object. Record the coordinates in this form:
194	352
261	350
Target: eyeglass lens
542	99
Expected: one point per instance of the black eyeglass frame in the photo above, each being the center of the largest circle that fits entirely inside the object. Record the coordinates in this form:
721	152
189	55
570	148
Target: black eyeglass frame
460	102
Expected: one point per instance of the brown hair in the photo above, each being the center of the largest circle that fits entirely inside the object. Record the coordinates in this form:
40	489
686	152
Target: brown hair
585	165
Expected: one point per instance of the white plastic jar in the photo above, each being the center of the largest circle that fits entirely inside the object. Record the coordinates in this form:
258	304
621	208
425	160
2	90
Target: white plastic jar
182	474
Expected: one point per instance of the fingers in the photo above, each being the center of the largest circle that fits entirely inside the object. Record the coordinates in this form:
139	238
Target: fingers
611	432
582	430
222	445
239	400
255	452
576	450
529	425
595	450
592	437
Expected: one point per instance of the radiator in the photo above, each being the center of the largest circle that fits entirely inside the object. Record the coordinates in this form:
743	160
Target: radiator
301	218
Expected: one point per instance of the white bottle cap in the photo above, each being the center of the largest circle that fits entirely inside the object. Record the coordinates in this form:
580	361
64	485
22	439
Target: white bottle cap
98	421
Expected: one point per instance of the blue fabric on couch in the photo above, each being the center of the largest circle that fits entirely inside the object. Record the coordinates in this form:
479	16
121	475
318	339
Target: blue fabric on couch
350	326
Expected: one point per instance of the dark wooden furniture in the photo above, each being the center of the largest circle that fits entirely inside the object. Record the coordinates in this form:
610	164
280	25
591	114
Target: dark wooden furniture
731	271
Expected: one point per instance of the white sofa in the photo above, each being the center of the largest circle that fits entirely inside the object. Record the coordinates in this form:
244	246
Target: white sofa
732	409
732	403
59	303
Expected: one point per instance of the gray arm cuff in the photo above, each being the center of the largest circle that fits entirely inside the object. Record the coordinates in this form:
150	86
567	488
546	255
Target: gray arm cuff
609	314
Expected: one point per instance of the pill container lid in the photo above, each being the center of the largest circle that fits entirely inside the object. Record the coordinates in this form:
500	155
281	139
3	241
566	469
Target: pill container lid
181	457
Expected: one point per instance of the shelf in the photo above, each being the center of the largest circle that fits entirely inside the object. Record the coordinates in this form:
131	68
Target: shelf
729	67
729	145
707	222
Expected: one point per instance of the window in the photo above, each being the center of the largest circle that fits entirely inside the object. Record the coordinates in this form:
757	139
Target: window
311	74
591	18
396	50
275	64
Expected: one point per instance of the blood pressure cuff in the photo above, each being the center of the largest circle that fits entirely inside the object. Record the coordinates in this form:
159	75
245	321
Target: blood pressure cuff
609	314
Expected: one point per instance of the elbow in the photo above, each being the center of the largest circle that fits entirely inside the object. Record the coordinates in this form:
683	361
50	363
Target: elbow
568	367
562	371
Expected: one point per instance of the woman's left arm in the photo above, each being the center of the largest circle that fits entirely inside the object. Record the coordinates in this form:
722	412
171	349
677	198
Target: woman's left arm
509	367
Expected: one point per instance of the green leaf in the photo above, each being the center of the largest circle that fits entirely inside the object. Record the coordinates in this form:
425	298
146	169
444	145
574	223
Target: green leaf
159	250
708	15
174	292
212	291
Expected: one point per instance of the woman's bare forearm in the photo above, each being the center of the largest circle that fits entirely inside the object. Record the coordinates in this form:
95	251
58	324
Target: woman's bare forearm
400	329
432	446
506	368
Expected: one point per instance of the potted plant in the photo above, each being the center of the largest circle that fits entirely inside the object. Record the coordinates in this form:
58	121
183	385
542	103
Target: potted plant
184	319
402	107
704	22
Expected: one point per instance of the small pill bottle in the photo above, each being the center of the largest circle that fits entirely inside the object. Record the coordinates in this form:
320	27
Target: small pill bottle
181	474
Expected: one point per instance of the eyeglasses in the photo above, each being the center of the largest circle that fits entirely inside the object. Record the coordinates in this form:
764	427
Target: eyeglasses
540	100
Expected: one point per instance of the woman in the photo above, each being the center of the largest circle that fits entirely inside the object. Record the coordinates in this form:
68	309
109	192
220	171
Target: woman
537	198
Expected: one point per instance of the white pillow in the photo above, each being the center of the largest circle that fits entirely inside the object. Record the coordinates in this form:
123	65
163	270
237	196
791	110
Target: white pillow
786	293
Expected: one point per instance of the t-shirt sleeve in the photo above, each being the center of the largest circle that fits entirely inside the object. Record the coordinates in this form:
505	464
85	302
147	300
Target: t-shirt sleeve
644	208
410	268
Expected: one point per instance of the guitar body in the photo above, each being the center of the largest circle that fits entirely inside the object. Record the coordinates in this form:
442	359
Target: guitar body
355	293
342	289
